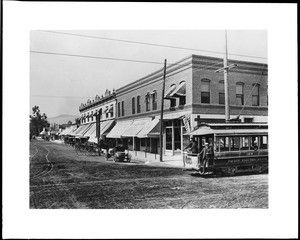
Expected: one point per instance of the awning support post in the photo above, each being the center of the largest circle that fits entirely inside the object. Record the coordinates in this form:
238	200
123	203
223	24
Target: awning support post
162	114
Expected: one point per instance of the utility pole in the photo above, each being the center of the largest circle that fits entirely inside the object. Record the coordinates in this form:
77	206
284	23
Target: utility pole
226	86
162	115
98	116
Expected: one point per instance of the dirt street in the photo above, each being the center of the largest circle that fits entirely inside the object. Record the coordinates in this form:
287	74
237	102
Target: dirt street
60	179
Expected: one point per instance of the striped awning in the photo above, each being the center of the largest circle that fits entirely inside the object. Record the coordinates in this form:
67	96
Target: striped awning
118	130
169	92
136	127
150	129
82	130
179	90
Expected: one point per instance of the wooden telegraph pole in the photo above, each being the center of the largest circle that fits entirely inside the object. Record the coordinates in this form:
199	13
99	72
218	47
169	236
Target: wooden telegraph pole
162	115
98	118
226	87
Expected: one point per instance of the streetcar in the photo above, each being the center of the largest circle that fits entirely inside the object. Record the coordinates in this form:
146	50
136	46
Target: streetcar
236	147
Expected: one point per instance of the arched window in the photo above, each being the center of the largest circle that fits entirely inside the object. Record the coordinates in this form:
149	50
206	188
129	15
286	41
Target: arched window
133	105
221	92
255	94
205	91
138	104
240	94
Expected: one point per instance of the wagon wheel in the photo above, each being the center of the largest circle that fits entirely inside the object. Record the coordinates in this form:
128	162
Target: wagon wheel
115	159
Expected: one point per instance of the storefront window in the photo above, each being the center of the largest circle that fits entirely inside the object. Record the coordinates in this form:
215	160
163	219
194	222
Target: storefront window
169	138
177	138
130	143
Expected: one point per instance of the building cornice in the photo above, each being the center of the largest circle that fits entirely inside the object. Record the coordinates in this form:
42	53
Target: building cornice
98	102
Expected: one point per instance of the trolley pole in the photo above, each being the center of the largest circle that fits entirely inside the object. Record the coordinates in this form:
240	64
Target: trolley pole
162	115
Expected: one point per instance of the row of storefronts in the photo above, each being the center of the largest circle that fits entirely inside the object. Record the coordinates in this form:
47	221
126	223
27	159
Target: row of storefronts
193	94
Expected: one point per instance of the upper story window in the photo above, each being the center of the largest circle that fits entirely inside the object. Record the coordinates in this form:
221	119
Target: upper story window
119	109
181	93
255	95
107	112
133	105
221	92
111	110
100	113
168	95
147	102
138	104
123	109
154	100
240	94
205	91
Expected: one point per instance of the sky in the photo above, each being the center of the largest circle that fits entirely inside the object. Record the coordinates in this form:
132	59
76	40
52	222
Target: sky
59	84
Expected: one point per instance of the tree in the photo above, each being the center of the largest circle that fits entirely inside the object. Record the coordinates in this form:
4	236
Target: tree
38	121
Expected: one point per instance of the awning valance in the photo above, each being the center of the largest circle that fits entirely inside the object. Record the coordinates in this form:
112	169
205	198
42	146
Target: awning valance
179	90
119	128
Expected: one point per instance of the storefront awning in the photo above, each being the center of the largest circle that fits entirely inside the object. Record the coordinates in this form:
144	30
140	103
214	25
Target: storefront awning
119	129
174	115
150	129
105	126
136	127
169	91
179	90
82	130
91	130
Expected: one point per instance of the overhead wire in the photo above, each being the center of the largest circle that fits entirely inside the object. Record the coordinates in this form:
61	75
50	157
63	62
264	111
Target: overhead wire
257	82
152	44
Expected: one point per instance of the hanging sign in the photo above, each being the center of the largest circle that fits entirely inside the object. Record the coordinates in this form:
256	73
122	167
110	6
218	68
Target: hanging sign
186	121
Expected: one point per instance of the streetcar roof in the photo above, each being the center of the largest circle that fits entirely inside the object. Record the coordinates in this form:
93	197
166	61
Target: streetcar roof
230	129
